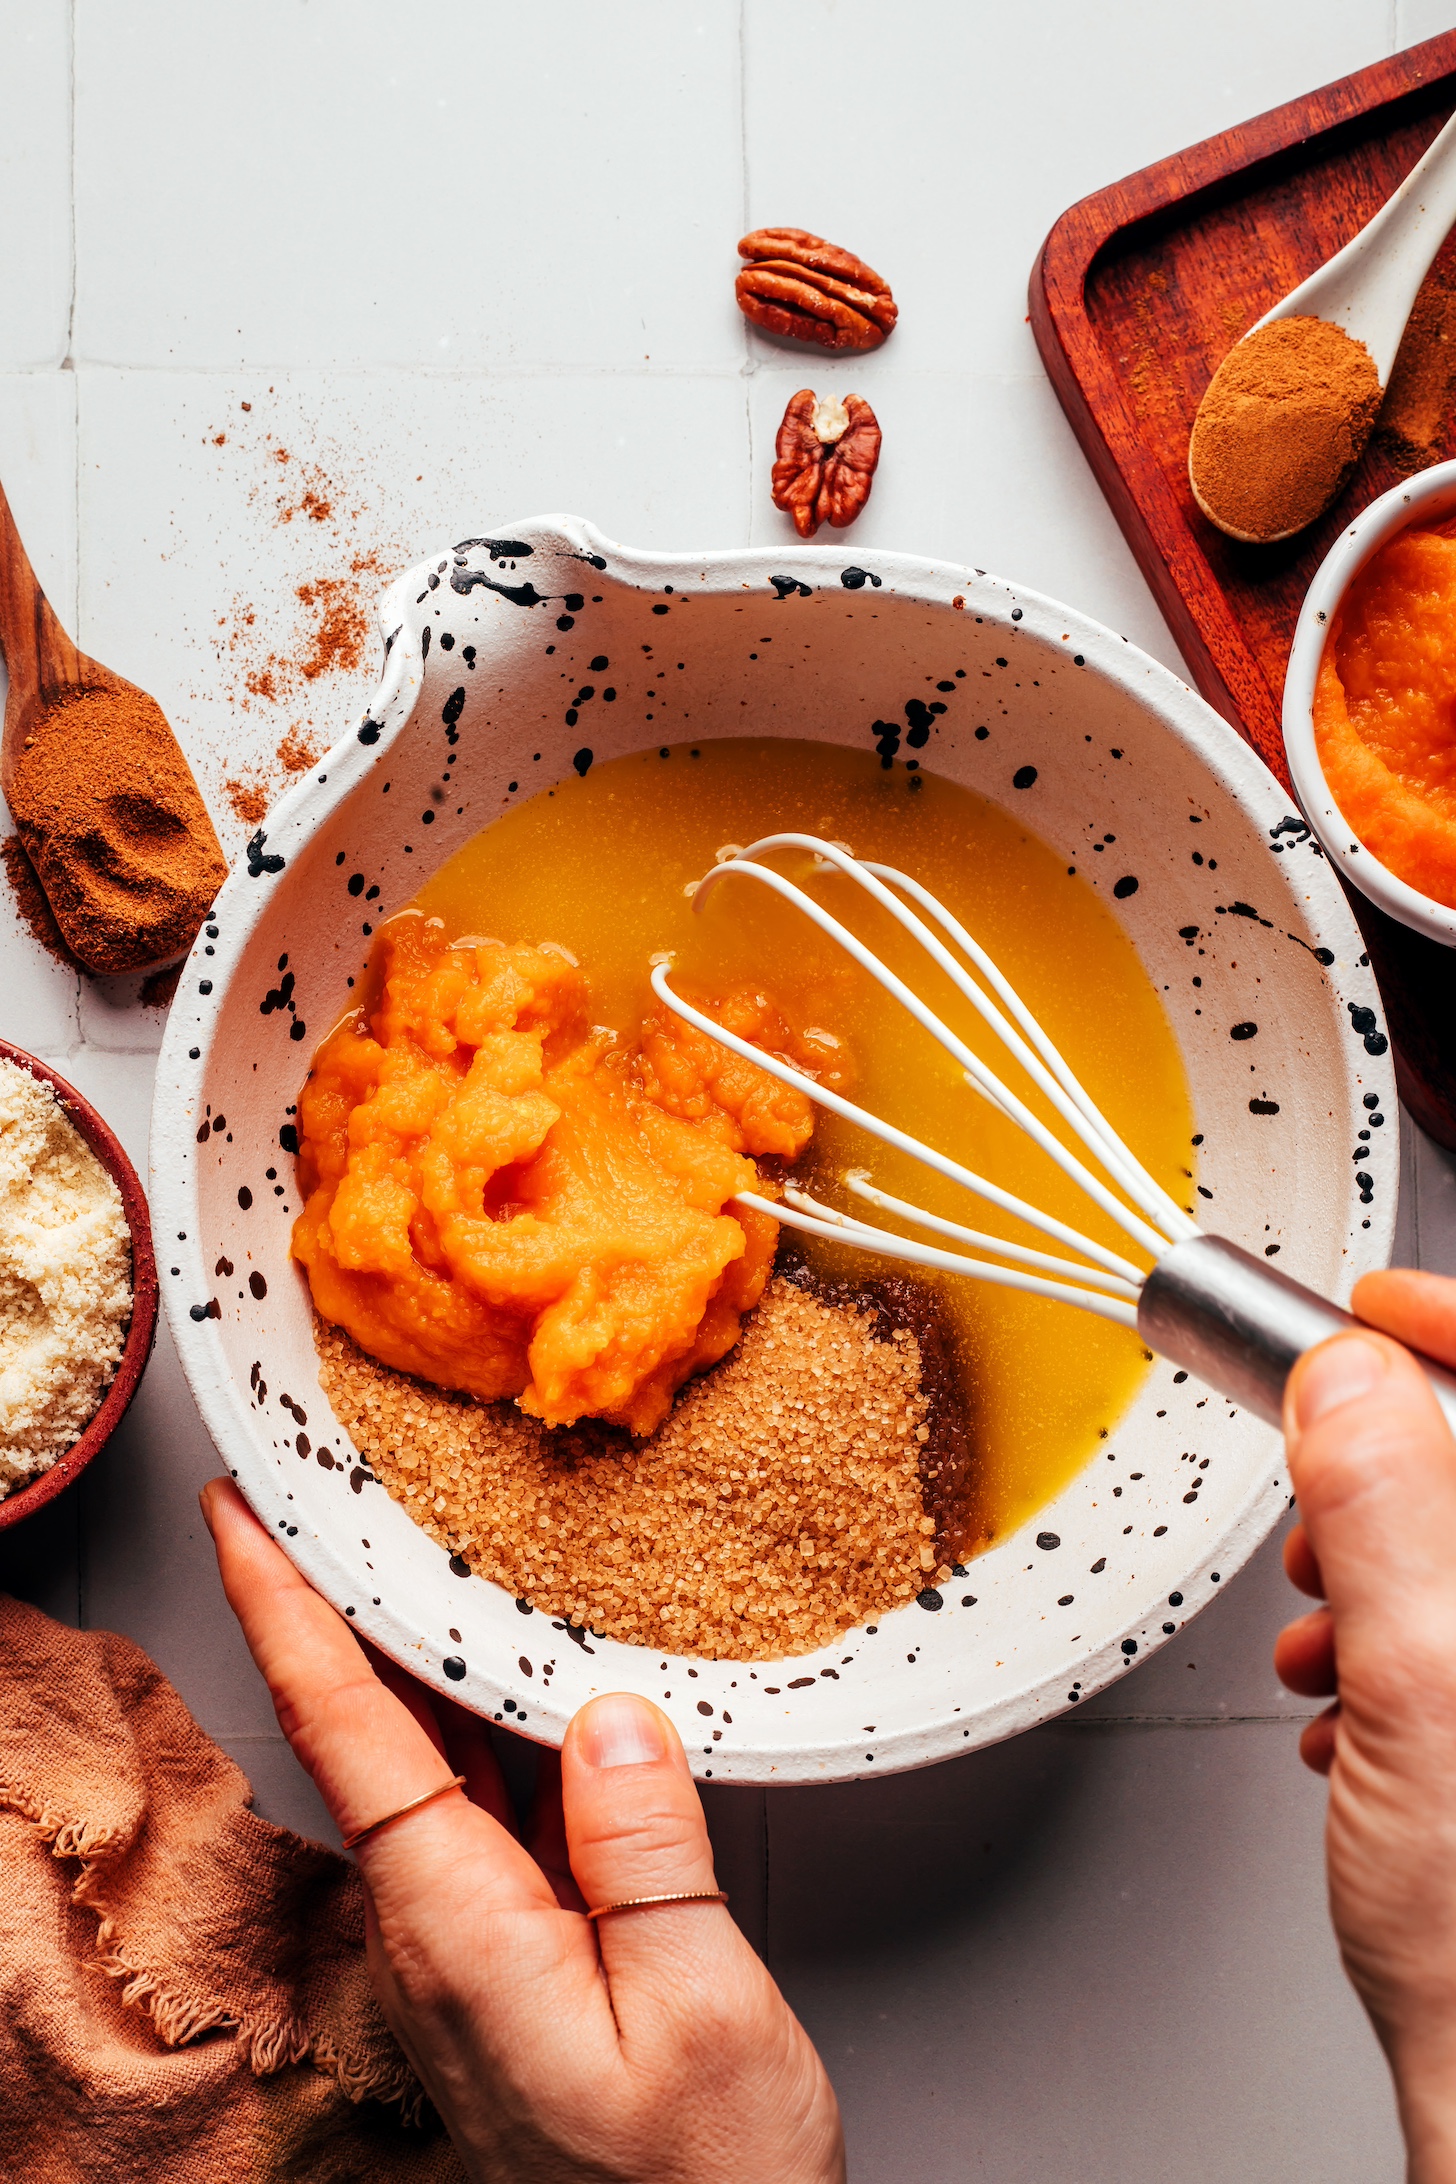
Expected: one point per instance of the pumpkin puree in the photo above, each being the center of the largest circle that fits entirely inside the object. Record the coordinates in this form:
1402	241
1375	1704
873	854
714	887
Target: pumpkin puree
1385	708
508	1201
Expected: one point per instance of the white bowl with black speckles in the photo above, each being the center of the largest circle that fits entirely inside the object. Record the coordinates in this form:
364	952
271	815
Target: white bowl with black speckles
1427	498
1104	741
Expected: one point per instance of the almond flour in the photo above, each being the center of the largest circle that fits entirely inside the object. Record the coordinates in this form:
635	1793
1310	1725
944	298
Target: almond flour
65	1279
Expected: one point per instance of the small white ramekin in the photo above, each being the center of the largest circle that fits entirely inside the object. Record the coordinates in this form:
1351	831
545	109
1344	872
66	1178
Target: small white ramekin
1426	498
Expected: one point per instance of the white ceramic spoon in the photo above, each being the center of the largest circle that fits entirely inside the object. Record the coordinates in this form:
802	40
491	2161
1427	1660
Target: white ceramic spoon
1369	288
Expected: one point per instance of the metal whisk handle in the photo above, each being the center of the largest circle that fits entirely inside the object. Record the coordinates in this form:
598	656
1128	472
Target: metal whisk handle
1239	1325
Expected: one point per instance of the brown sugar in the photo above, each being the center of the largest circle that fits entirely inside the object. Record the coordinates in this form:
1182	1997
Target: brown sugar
779	1504
110	817
1285	418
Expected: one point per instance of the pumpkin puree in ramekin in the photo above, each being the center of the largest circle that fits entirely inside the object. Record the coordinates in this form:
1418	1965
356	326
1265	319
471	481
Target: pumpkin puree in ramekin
1385	708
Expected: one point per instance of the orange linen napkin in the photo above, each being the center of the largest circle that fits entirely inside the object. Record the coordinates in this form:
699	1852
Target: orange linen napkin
183	1993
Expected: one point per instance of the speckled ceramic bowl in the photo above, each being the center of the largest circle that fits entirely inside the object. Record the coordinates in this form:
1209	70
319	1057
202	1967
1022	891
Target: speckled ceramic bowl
1087	739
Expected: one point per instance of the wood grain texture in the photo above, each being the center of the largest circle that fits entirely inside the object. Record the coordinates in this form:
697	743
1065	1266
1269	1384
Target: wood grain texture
39	656
1137	295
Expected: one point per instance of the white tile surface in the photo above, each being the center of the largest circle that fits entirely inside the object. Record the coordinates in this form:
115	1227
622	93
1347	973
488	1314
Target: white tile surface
211	568
466	266
38	995
349	183
1093	1955
941	141
1417	19
35	181
977	467
38	450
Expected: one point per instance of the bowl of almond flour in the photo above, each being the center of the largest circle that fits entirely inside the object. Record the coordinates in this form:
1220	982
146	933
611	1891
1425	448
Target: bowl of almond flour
78	1286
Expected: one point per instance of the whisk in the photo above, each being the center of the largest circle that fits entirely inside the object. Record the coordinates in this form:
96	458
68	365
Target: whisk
1205	1304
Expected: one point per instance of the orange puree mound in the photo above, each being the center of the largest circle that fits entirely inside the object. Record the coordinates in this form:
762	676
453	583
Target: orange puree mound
1385	709
504	1200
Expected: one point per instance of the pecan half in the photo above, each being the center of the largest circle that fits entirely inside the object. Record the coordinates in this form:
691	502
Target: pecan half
797	285
827	451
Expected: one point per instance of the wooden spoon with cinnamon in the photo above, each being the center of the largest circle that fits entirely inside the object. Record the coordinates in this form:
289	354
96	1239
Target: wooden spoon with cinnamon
103	800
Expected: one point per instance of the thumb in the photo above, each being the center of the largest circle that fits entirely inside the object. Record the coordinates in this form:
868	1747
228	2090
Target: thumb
1373	1465
634	1821
634	1828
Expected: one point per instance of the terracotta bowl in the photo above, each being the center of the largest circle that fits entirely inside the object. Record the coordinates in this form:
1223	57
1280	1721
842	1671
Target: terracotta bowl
105	1144
1086	738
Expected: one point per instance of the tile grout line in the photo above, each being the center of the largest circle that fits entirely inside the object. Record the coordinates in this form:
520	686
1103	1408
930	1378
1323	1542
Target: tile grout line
68	365
748	365
499	374
68	360
455	375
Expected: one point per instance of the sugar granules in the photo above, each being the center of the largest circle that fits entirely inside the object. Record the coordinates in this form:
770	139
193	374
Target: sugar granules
779	1503
65	1279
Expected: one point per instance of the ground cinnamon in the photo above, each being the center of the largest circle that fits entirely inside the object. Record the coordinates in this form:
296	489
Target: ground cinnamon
1415	423
1285	418
110	817
31	907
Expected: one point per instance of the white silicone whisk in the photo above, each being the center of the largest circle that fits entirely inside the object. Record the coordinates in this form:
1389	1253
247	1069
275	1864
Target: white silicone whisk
1205	1303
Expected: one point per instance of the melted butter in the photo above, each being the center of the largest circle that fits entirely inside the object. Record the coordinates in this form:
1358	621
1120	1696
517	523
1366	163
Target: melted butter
601	865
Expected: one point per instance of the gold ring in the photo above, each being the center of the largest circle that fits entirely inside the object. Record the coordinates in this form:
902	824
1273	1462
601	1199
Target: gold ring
643	1903
456	1782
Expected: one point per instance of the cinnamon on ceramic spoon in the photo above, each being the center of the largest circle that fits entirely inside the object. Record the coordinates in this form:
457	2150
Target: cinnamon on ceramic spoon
1287	414
103	801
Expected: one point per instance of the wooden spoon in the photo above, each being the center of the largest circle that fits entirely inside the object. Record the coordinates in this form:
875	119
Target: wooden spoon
103	800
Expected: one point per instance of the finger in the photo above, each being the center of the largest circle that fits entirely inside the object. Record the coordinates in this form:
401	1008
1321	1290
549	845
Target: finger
1301	1566
1304	1656
411	1694
1374	1466
469	1751
682	1979
1416	1308
366	1749
1317	1741
545	1834
635	1827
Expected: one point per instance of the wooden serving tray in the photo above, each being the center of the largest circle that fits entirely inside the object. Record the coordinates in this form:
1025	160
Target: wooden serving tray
1138	294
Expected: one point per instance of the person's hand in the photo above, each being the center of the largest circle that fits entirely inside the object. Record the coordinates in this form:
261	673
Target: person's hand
649	2048
1373	1465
